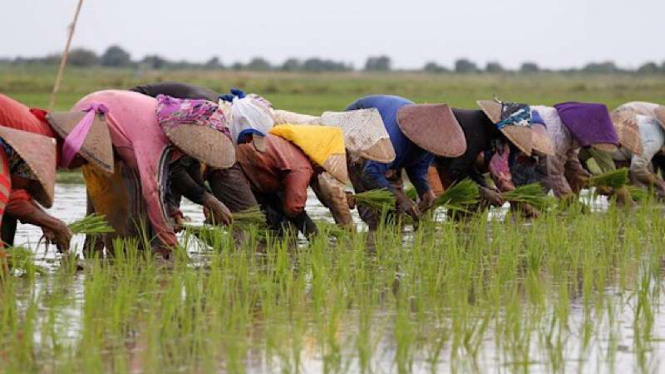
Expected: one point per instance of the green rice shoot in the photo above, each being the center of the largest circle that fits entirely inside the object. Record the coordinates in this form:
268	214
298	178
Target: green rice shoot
637	193
94	224
459	196
531	194
612	179
376	199
251	216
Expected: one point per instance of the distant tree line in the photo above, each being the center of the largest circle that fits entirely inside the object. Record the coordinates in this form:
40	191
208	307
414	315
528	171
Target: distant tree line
117	57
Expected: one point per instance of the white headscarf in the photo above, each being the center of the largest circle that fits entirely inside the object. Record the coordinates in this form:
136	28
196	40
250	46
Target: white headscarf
249	114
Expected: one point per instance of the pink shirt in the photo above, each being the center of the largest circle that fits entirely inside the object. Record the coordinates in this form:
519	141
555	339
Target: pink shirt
140	143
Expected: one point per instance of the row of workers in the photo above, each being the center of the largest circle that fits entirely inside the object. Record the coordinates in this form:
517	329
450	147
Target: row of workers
142	150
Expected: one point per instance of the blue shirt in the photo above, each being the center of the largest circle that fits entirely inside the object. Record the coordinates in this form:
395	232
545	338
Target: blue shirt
410	157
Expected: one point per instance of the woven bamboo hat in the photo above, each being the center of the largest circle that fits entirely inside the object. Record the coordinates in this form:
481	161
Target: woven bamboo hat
433	127
625	123
39	153
365	135
97	147
520	136
541	141
197	127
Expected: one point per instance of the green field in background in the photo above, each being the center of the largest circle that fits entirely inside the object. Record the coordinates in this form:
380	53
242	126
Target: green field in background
314	93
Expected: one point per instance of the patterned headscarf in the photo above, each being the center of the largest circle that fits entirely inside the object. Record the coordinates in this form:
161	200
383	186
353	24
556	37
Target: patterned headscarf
514	114
172	112
249	114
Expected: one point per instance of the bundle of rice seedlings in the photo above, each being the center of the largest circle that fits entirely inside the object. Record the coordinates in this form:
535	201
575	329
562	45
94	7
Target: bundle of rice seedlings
612	179
459	196
207	234
531	194
332	229
94	224
376	199
251	216
638	194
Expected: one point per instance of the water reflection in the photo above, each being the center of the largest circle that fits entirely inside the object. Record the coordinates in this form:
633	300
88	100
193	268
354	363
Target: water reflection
611	346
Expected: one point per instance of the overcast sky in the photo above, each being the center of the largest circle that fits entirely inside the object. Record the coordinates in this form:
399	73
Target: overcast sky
554	33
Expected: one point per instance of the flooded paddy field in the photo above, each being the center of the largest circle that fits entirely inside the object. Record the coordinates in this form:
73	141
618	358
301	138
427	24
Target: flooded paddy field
568	292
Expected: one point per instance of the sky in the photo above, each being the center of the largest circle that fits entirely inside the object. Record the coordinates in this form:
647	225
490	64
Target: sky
554	34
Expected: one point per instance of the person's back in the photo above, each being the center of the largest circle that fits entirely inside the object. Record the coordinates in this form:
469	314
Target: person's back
478	131
176	89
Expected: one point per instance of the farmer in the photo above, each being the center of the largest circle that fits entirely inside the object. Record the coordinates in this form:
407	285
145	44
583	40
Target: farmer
281	162
571	127
365	136
230	186
495	135
70	152
417	133
27	172
142	131
650	121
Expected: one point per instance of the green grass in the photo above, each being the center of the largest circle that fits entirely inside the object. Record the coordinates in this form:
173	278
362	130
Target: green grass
315	93
439	300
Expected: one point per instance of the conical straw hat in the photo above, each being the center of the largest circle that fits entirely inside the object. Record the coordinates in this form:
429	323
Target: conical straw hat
97	147
520	136
541	141
39	153
365	135
625	122
434	128
197	128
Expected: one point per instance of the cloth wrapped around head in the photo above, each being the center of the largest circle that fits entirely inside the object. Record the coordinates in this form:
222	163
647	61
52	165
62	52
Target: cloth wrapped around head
198	128
513	120
323	145
590	124
248	114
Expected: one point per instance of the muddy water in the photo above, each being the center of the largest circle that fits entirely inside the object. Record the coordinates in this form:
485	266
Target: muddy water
70	206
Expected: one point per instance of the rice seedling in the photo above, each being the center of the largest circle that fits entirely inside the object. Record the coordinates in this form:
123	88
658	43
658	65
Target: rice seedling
439	299
459	197
93	224
378	200
638	194
611	179
531	194
251	216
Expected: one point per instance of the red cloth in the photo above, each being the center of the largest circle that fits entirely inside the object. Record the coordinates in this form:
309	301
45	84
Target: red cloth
18	116
282	167
5	184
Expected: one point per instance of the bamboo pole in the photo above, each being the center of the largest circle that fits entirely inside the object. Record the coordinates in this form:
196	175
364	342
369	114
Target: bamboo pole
63	60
